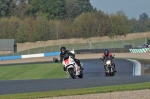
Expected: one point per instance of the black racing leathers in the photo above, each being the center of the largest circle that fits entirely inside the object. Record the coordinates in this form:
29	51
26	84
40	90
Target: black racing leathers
66	52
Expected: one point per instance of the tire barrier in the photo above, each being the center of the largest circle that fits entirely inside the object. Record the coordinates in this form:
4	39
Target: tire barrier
142	50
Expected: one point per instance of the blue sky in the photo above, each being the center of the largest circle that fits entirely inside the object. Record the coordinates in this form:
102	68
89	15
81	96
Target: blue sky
132	8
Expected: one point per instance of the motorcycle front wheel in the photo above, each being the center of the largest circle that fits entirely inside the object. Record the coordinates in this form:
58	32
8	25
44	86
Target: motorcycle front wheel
72	73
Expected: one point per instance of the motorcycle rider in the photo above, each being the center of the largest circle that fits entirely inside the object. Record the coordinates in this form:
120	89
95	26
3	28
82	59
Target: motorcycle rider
64	52
106	55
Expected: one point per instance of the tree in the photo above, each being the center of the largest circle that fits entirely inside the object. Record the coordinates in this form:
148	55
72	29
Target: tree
6	7
84	24
29	1
85	6
52	9
142	22
143	18
148	24
72	9
120	25
21	9
9	27
134	25
101	23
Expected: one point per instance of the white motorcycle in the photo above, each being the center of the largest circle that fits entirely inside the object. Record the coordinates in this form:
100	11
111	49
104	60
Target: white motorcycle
72	67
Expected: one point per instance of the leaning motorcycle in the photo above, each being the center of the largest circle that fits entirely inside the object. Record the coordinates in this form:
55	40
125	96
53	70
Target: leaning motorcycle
109	66
72	67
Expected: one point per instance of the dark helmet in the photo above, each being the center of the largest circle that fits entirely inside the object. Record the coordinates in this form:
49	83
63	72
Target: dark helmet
63	50
106	52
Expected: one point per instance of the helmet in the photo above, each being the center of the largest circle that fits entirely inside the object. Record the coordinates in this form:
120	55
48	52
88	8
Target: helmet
106	52
63	50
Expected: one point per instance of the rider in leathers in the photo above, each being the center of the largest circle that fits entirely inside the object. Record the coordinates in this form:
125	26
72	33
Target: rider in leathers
106	55
64	52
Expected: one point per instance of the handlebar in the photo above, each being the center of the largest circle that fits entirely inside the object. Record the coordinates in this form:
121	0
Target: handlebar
113	57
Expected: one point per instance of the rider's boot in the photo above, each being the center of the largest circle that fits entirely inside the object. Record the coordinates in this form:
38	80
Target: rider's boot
81	67
114	68
64	68
79	64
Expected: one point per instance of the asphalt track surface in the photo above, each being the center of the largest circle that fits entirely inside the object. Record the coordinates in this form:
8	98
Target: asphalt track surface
93	77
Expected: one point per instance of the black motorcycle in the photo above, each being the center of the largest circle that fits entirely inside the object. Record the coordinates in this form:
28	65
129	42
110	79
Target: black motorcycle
109	66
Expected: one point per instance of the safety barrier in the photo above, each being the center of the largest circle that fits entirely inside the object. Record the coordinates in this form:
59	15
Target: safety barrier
51	54
10	57
142	50
29	56
33	55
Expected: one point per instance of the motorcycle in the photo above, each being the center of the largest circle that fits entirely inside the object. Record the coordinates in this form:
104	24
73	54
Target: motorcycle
72	67
109	66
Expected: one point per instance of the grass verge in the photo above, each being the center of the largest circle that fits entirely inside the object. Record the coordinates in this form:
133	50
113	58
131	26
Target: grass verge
82	91
32	71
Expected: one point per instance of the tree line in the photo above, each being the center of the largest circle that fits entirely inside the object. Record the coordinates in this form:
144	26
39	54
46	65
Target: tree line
41	20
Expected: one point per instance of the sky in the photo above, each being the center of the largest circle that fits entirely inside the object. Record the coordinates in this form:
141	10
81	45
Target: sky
132	8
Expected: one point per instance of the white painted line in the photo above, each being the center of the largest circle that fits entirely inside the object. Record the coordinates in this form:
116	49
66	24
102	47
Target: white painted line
33	55
136	67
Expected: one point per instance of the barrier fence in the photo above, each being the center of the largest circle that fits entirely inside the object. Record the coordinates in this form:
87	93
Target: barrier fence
84	51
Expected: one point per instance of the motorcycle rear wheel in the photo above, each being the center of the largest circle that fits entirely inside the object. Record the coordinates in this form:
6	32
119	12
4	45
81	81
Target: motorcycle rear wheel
81	75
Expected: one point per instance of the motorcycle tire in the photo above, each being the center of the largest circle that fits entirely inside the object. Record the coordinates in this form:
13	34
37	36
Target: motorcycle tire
81	75
72	73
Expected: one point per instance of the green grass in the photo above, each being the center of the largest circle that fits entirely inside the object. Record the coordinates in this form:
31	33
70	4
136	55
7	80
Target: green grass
32	71
81	91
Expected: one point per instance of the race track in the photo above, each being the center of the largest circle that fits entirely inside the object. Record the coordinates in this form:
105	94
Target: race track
93	76
94	68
